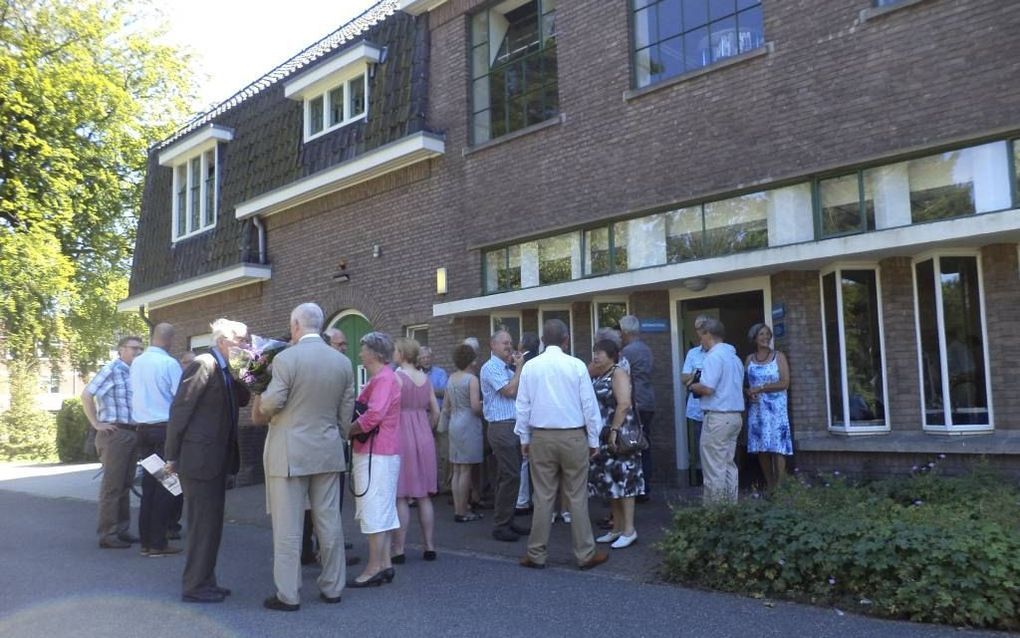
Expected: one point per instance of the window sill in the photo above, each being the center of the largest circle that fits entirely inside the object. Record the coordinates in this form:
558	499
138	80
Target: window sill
528	130
336	127
917	442
876	12
194	233
761	51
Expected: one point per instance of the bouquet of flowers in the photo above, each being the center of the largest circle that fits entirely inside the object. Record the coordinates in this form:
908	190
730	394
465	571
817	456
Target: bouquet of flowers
251	365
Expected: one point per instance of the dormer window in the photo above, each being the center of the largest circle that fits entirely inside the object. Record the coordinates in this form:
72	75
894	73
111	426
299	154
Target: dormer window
335	93
195	161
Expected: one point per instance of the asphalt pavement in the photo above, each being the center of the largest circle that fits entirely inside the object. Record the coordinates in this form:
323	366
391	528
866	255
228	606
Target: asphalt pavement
55	582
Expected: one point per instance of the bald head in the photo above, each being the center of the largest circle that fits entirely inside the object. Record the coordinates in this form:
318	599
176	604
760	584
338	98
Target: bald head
162	335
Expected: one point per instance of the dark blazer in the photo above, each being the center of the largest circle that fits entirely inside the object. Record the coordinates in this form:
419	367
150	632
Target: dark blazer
201	435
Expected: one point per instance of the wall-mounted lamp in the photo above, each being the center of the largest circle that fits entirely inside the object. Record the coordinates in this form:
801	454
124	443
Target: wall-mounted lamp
440	281
696	284
376	250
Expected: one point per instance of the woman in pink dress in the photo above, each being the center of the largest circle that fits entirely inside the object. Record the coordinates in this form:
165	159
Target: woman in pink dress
419	413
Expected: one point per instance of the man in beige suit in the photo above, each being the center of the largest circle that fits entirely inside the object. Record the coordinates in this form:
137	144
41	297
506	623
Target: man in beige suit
308	405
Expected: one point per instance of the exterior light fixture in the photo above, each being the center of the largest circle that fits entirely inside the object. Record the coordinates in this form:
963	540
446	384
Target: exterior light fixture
440	281
696	284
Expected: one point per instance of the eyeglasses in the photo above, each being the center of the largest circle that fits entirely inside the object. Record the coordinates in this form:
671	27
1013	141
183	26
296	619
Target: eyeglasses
339	344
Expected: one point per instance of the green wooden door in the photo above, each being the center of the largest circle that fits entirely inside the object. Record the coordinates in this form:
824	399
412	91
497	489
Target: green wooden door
355	326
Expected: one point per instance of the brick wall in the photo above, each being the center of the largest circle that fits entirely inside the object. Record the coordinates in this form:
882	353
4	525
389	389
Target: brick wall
1002	307
800	292
900	331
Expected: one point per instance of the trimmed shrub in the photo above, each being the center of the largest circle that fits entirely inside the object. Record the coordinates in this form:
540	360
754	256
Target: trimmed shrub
26	432
73	433
925	548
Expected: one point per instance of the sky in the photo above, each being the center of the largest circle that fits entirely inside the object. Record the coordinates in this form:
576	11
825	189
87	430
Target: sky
235	42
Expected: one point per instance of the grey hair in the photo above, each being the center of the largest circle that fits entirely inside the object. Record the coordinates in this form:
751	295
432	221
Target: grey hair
472	342
608	334
630	324
227	329
424	351
714	327
308	316
752	334
380	344
700	320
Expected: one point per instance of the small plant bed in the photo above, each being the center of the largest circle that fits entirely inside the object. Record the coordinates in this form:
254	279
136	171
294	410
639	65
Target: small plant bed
927	548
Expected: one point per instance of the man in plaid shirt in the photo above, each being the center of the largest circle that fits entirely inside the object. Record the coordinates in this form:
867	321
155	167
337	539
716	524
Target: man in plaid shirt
116	438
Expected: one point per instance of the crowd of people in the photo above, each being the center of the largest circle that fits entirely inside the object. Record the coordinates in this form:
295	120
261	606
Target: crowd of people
533	428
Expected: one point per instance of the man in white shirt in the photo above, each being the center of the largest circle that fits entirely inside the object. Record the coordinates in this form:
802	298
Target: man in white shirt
155	376
558	421
721	389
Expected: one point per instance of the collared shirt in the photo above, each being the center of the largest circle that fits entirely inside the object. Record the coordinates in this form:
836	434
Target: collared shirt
154	379
640	357
724	373
112	389
556	393
494	376
438	378
695	360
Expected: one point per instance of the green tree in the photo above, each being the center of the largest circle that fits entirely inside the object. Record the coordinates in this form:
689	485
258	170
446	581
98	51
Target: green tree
85	86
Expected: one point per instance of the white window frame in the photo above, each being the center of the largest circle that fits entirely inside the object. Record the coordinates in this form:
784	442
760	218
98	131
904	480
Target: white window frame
324	92
935	256
595	315
846	427
200	341
203	154
410	331
557	308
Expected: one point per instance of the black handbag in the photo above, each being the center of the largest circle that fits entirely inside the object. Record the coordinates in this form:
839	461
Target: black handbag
630	437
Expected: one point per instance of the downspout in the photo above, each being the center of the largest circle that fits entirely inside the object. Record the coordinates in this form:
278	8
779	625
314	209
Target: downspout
145	317
262	238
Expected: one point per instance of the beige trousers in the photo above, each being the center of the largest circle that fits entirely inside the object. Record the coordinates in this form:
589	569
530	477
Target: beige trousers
719	433
287	500
559	462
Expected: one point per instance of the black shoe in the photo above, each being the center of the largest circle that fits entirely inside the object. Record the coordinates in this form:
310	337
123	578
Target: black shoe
169	550
352	560
173	535
332	600
114	543
399	559
127	537
203	596
429	555
376	580
520	531
388	574
505	534
276	604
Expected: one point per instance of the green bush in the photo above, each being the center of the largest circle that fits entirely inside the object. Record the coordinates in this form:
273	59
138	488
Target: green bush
926	548
26	432
73	433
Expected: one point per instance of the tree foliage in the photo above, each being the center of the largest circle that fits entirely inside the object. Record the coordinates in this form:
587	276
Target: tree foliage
85	86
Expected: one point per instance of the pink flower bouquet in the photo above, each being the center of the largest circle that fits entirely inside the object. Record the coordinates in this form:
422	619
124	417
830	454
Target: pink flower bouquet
252	365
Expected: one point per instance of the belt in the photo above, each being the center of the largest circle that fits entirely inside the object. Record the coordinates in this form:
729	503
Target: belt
126	426
580	427
161	424
722	411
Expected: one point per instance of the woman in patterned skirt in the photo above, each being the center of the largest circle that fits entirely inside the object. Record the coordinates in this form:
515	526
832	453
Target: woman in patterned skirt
768	423
613	476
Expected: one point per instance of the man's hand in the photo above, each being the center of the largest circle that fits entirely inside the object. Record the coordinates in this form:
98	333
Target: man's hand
170	468
518	359
102	426
525	449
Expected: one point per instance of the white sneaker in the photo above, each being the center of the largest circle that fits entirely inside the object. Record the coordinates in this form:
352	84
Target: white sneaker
624	541
566	517
608	537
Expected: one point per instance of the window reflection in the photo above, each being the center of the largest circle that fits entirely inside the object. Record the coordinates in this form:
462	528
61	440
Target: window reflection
736	224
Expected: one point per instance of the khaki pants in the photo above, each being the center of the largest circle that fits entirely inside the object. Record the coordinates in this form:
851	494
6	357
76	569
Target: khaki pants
719	433
559	462
287	498
117	452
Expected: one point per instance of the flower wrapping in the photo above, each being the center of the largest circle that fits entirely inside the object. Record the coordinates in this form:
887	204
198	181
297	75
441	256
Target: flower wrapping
252	365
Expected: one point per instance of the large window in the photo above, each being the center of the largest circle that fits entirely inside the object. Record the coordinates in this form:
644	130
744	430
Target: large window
951	339
195	194
606	313
851	318
513	67
673	37
943	186
510	322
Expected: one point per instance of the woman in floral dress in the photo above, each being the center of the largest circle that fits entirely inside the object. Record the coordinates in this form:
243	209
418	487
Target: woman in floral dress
768	423
613	476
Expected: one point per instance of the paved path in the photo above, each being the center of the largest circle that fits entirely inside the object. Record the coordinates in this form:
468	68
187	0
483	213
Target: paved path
55	582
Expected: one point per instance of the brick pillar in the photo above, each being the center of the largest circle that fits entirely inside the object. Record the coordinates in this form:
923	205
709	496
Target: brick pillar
1002	305
900	330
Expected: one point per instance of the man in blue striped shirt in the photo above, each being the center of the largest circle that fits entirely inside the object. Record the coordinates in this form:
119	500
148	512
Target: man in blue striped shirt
499	391
115	442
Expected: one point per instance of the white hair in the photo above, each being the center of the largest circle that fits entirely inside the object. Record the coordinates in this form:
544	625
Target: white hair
227	329
472	342
308	316
630	324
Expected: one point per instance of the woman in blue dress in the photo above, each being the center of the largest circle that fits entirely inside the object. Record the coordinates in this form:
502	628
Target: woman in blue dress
768	421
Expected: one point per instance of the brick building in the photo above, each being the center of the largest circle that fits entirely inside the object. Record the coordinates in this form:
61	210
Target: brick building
846	171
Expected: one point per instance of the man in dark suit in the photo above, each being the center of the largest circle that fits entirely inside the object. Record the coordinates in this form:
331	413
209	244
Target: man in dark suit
201	445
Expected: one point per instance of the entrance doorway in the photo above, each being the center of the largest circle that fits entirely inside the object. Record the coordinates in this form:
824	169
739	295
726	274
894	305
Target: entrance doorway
354	326
738	311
